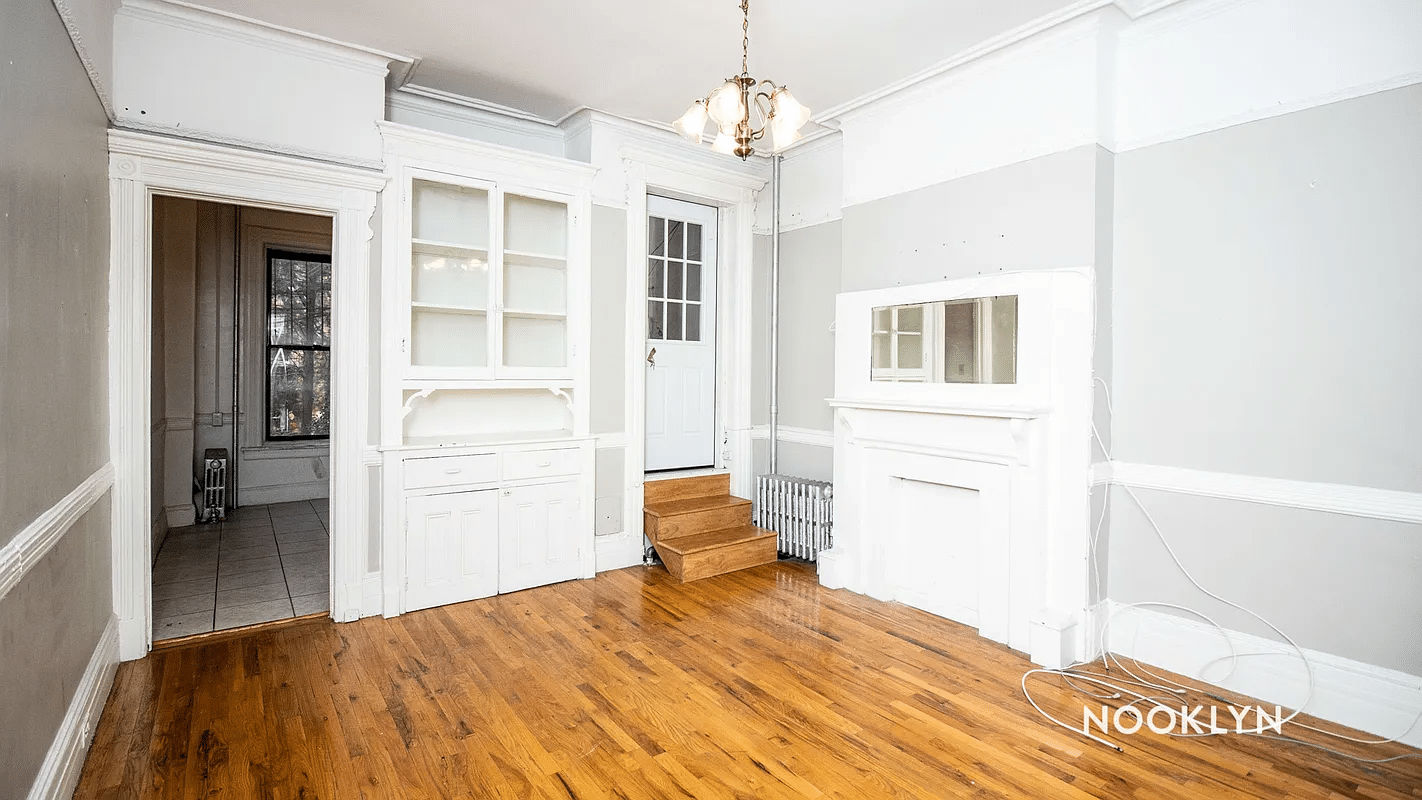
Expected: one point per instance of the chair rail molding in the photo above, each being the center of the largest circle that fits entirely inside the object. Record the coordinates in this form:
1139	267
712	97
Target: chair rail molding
141	165
1333	498
29	547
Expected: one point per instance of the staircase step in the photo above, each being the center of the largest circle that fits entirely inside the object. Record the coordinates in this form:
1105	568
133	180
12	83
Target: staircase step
677	518
703	555
668	489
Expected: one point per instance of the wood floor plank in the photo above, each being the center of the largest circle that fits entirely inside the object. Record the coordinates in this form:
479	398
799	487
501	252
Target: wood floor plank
756	685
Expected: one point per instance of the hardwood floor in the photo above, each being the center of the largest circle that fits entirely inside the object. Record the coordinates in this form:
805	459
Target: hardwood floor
755	684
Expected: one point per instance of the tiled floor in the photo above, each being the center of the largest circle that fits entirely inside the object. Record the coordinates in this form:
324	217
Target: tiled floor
263	563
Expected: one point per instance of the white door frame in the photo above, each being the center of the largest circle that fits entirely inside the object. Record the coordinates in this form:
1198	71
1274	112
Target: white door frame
142	165
733	193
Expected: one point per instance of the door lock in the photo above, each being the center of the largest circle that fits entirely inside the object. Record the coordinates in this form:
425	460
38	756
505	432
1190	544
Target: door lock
652	357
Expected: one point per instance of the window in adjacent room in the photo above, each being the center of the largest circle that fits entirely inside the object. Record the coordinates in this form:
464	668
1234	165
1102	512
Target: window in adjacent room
298	346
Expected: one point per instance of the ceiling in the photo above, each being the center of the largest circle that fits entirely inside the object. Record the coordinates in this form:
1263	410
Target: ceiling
648	59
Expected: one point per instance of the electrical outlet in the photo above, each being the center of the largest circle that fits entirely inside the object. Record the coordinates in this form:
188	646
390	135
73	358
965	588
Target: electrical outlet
217	419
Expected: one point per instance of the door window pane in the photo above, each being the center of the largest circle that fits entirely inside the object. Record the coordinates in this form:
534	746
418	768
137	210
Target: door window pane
656	269
656	236
693	281
673	322
693	322
693	242
675	230
674	280
654	319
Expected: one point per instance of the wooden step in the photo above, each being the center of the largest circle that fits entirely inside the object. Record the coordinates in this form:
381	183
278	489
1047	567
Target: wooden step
668	489
676	518
703	555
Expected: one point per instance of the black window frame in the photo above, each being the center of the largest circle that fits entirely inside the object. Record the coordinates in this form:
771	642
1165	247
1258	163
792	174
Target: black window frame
272	254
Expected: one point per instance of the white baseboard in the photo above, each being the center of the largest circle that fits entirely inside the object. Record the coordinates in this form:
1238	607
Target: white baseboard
59	774
617	551
1381	701
180	516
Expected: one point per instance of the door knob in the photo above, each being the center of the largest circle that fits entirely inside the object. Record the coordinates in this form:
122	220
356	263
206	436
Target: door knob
652	357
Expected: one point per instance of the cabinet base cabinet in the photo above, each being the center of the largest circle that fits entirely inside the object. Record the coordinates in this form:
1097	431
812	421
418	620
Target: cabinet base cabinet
540	534
452	546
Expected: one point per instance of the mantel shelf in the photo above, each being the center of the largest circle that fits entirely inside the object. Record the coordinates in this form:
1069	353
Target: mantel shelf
985	410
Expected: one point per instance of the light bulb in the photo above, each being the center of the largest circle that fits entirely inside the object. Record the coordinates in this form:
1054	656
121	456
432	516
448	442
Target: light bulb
784	105
693	123
783	133
725	106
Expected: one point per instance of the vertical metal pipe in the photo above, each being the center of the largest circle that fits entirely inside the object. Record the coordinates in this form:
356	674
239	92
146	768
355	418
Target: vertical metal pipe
232	468
774	312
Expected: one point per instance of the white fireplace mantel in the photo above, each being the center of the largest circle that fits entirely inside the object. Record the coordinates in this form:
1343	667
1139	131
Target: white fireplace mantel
970	501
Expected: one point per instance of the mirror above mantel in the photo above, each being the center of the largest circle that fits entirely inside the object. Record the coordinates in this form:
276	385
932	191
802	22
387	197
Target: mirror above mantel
964	341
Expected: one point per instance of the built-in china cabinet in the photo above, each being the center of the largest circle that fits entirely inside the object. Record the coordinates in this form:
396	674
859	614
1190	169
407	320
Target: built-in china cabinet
486	454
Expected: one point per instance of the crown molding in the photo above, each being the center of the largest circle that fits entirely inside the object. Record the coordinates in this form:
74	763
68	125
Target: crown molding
407	140
465	110
266	35
66	15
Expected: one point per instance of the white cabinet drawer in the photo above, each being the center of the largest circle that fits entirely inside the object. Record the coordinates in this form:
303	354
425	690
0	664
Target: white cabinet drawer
538	463
422	473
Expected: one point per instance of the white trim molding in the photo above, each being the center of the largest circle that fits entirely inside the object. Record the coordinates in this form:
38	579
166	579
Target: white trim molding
1381	701
59	774
786	433
1333	498
142	165
29	547
96	79
649	168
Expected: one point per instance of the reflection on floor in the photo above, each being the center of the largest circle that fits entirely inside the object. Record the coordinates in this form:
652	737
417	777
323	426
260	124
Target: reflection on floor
264	563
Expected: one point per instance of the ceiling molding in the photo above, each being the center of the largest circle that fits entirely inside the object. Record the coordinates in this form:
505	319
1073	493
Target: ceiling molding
253	31
477	104
171	135
66	15
454	108
1133	9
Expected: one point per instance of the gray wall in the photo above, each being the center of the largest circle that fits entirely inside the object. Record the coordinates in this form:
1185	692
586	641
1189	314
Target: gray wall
609	359
1270	273
1265	323
53	395
809	281
1038	214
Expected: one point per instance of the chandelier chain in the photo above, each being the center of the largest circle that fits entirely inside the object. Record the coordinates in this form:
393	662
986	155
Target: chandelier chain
745	37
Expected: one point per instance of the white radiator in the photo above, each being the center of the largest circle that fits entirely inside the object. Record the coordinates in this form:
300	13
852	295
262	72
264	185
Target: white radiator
799	510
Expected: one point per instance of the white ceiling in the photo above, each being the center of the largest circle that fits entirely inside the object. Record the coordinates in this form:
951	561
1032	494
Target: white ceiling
648	59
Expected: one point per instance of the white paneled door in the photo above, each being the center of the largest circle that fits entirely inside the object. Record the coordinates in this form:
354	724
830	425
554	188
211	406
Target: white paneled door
681	335
453	545
539	535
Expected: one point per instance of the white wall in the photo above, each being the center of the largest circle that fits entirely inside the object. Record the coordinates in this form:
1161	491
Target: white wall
54	262
204	75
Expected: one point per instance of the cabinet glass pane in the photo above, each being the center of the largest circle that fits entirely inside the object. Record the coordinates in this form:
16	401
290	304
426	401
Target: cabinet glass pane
535	226
445	339
535	286
449	280
910	318
535	342
910	351
883	356
451	214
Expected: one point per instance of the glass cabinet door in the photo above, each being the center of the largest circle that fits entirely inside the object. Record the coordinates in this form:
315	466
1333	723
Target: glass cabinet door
449	267
535	283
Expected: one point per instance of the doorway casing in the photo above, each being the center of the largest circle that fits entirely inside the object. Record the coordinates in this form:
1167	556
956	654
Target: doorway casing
142	165
733	194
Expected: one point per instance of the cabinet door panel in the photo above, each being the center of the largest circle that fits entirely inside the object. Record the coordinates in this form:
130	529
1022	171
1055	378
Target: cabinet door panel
541	535
452	548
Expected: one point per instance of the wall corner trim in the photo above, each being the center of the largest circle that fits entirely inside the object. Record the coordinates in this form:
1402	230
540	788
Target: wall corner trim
59	774
30	545
1334	498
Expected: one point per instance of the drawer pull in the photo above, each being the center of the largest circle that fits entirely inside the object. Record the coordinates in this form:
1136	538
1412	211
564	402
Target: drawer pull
545	463
453	471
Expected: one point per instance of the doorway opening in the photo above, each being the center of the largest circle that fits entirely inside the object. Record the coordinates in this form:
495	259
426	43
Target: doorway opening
241	405
681	336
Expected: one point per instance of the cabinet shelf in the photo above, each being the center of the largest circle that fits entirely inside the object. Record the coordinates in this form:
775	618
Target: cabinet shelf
454	249
442	308
553	315
535	259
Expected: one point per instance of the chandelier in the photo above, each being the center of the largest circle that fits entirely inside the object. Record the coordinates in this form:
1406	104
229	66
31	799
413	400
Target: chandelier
730	107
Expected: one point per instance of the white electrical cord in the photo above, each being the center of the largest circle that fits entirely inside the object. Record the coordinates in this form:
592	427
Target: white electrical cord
1075	672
